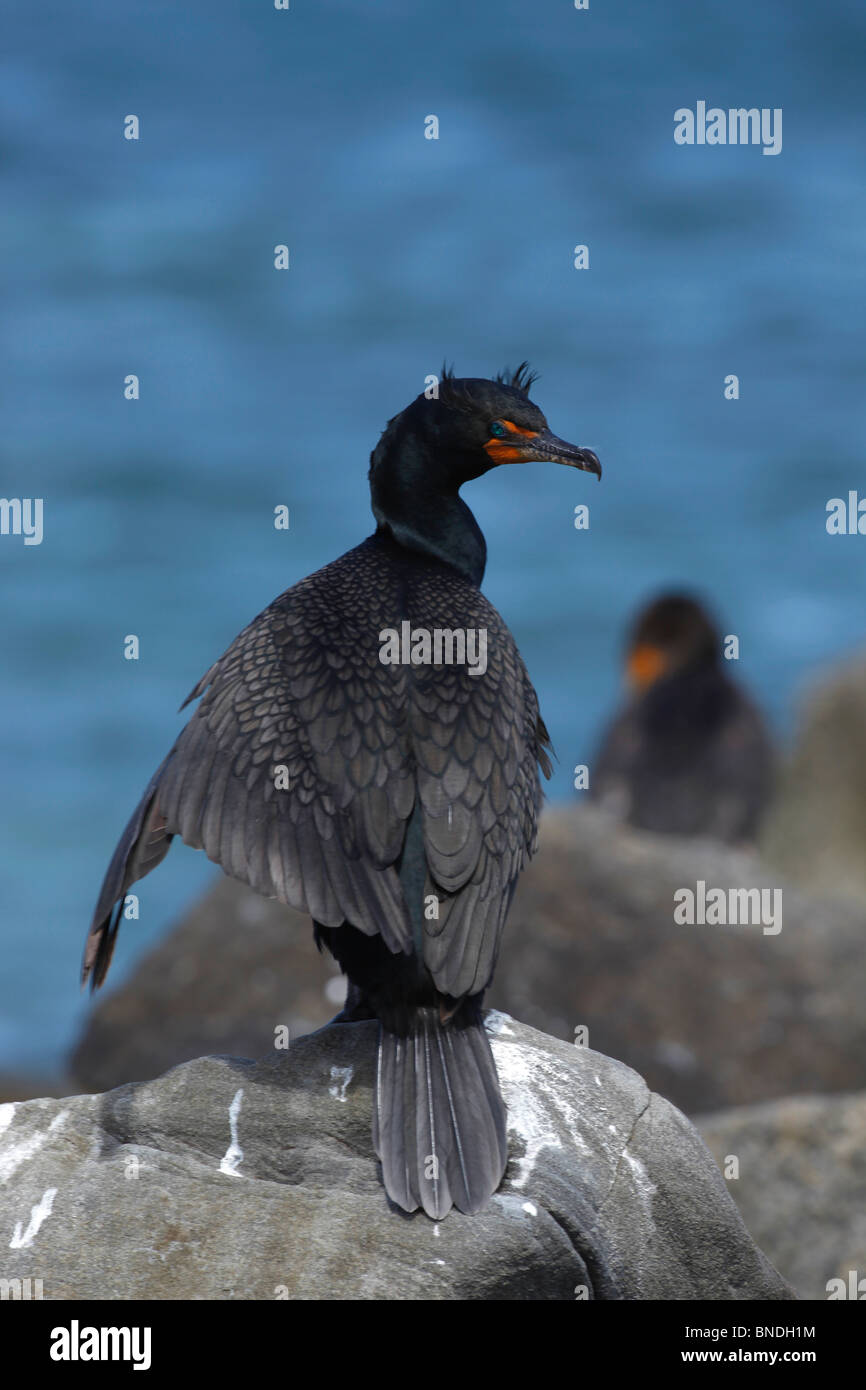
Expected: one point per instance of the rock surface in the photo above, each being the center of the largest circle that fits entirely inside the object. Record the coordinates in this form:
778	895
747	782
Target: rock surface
712	1016
816	831
235	969
802	1184
230	1179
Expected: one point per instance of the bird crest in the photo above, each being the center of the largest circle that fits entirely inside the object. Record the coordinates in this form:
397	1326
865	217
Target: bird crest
450	390
521	379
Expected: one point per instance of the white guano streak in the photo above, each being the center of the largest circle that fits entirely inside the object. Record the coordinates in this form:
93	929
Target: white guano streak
234	1154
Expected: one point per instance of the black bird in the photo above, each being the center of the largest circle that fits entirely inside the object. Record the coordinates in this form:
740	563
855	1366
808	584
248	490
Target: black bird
689	754
395	803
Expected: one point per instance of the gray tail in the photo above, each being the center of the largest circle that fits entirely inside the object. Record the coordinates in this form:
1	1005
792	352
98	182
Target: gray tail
438	1119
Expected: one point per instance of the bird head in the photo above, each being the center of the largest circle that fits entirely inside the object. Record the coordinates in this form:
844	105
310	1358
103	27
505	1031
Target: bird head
672	634
468	425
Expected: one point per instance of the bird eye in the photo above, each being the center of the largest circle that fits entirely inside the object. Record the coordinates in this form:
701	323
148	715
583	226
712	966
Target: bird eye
498	429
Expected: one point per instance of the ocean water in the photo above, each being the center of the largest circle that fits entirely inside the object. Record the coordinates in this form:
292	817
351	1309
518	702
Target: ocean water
260	387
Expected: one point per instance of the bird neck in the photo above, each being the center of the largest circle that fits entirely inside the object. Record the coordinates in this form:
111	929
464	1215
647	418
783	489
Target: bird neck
693	699
424	513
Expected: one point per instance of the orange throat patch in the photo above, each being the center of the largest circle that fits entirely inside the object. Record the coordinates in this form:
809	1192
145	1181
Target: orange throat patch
644	666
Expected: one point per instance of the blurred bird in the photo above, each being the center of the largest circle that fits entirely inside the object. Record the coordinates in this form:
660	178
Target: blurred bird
689	754
395	803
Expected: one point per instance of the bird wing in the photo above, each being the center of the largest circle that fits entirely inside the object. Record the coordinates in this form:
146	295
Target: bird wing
742	770
612	771
477	741
293	773
299	770
705	769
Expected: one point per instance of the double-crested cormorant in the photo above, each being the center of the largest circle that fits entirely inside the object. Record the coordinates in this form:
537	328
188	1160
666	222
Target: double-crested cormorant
689	754
393	800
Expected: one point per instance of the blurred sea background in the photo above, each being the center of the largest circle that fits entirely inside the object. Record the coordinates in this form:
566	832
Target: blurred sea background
306	127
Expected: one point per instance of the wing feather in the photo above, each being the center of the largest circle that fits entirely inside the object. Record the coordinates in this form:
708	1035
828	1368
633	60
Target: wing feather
300	768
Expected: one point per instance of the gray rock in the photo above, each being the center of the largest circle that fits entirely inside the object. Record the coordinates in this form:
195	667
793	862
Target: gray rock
231	1179
816	830
712	1016
801	1188
235	969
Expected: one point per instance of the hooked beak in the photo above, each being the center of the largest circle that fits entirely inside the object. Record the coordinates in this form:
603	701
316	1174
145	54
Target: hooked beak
547	448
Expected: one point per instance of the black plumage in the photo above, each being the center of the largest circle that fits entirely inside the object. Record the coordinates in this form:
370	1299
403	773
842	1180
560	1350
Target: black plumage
689	754
395	803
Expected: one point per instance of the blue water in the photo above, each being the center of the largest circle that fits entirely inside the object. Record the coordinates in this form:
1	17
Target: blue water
258	387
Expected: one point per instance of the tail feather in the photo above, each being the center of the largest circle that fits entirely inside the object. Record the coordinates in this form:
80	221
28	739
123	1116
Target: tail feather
439	1121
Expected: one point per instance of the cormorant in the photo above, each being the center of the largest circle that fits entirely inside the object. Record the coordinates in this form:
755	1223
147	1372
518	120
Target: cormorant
689	754
395	803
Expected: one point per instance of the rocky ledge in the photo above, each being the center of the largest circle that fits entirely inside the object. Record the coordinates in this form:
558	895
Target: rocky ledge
232	1179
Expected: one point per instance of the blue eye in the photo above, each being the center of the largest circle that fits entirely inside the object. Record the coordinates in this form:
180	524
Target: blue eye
498	429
